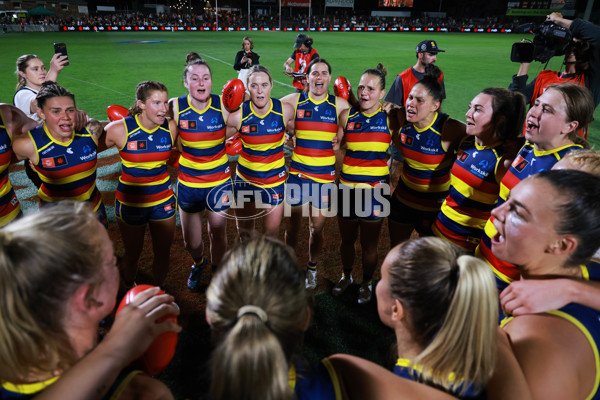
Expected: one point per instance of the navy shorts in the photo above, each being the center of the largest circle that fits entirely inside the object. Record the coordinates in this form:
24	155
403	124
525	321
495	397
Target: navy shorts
299	191
193	200
369	204
246	192
137	216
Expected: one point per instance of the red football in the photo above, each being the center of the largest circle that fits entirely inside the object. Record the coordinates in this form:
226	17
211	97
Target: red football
233	94
233	145
161	351
341	87
116	112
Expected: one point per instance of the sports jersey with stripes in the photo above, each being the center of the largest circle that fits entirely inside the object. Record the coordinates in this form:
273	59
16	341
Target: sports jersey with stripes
425	176
203	161
9	204
67	170
587	321
528	162
368	138
474	191
316	126
144	181
318	381
404	368
261	161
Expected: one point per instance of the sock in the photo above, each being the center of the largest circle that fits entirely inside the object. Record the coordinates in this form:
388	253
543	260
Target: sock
311	265
200	262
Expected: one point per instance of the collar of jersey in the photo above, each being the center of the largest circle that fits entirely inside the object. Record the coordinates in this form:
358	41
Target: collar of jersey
64	144
142	128
195	109
435	117
265	114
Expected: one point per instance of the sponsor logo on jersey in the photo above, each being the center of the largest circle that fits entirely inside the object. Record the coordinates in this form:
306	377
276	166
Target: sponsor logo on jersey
137	145
53	162
304	113
354	125
405	139
462	156
520	163
249	128
188	124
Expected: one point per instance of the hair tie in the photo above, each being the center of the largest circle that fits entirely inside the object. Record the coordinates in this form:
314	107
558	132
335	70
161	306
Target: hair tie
256	310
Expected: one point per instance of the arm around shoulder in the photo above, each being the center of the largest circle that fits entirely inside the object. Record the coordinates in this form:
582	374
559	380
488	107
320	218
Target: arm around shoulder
362	379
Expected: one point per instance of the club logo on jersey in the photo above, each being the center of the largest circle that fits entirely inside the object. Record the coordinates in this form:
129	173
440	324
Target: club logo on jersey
354	125
137	145
188	124
169	207
462	156
53	162
304	113
520	163
405	139
249	128
277	196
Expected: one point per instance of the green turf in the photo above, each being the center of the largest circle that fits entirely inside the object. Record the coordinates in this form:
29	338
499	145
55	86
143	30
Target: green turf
104	71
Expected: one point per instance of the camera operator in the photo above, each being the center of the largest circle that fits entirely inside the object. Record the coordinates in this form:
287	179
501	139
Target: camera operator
582	62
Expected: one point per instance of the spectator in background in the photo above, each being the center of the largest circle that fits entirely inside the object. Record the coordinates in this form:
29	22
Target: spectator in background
245	59
302	56
427	52
582	64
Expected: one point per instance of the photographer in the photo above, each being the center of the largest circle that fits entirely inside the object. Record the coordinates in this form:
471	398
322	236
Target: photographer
582	62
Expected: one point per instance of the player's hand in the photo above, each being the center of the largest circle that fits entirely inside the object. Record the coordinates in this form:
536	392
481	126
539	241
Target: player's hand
534	296
135	326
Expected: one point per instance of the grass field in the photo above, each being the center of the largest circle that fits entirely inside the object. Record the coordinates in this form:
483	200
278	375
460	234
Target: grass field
106	67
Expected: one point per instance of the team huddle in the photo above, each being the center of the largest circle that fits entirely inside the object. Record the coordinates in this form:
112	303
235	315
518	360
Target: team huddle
507	203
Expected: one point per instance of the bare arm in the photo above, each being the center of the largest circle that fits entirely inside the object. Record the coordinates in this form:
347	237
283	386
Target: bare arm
17	123
115	134
362	379
234	121
453	132
57	63
133	331
558	19
287	65
337	141
24	149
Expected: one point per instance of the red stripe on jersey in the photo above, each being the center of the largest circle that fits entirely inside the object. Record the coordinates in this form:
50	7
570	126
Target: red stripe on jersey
142	198
427	181
305	151
127	178
262	139
62	173
474	181
470	211
202	136
67	193
431	159
357	162
208	178
263	159
315	126
145	157
510	270
368	137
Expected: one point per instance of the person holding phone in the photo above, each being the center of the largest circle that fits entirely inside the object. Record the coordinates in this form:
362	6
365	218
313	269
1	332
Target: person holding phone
245	59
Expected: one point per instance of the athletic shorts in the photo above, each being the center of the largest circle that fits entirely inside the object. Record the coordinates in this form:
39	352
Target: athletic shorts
137	216
362	203
193	200
403	214
299	191
246	192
